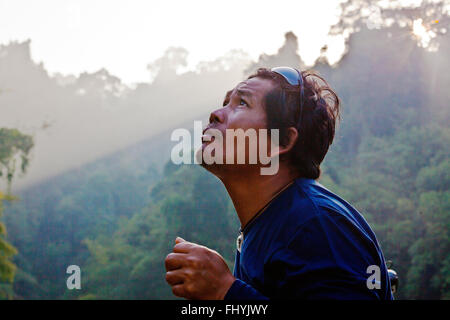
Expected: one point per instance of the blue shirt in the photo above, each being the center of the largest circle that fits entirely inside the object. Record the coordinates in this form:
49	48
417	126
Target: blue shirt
309	244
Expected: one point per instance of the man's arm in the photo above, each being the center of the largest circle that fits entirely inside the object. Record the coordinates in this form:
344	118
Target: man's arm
240	290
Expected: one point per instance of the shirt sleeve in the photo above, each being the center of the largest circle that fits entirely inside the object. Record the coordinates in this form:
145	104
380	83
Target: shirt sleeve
240	290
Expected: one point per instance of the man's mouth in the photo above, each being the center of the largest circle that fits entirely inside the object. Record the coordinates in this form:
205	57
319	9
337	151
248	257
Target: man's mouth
207	138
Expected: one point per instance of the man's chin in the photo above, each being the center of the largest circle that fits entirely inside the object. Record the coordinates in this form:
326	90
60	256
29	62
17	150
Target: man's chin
200	155
213	167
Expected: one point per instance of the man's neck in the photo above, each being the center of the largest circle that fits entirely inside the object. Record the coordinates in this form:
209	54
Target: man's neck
251	191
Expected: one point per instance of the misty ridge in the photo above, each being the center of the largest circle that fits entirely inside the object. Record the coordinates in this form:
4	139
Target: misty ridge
102	193
75	120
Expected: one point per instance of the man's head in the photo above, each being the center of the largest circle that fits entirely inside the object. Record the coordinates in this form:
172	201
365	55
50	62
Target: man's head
267	101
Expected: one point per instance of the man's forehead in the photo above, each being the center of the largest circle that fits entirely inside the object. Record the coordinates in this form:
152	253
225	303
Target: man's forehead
254	84
243	83
253	87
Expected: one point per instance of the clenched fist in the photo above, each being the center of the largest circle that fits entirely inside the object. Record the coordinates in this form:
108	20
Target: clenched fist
197	272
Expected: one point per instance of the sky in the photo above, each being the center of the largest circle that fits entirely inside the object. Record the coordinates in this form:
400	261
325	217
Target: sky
74	36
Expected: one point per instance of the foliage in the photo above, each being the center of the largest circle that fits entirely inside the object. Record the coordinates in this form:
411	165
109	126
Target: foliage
117	218
13	144
189	203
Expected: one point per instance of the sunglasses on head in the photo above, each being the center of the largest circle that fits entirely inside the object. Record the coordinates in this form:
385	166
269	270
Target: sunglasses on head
293	77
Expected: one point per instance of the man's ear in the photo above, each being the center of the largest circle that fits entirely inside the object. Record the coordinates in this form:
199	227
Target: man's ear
292	137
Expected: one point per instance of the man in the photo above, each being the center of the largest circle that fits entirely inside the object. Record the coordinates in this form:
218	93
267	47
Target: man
298	240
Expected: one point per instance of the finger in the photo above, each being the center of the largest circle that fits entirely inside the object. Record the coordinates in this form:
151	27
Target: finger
184	247
174	277
179	290
179	240
174	261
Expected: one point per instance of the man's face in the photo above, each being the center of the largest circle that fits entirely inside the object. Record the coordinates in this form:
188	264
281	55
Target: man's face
243	108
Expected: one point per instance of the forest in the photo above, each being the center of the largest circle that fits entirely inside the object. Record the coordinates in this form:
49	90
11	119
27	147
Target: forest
117	215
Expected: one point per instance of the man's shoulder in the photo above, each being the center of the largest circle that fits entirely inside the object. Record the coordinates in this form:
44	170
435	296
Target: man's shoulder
310	203
307	204
319	196
316	200
309	199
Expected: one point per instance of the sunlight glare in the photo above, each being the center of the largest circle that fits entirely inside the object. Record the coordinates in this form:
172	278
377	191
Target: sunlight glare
422	34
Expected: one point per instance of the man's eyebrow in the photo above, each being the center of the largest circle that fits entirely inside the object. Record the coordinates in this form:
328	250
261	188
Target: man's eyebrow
239	92
227	96
243	92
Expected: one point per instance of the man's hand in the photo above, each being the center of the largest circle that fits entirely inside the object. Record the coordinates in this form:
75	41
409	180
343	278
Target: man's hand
197	272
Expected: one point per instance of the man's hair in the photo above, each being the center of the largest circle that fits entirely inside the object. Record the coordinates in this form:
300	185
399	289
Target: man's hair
321	110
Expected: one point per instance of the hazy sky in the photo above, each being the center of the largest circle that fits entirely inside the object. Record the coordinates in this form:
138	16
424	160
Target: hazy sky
72	36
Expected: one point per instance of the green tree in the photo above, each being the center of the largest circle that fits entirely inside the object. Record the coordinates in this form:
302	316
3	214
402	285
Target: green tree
13	144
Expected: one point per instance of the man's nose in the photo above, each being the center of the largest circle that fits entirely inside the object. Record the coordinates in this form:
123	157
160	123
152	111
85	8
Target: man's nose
217	116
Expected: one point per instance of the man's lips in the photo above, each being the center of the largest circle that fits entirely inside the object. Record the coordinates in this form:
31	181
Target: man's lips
206	128
207	138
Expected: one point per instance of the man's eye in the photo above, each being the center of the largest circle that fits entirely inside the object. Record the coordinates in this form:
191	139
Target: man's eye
243	101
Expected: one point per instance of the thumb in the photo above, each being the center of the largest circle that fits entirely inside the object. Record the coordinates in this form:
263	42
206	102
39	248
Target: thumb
179	240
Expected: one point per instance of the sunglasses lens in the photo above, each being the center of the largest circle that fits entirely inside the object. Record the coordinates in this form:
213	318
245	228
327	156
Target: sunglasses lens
293	76
290	74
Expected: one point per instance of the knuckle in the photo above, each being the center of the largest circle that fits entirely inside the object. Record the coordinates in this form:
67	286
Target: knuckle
189	273
171	255
167	261
194	262
189	289
199	249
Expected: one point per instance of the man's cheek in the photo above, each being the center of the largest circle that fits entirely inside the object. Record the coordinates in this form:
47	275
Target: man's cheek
240	147
242	150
